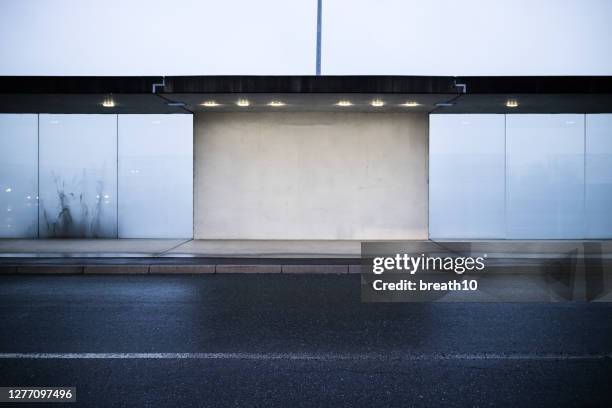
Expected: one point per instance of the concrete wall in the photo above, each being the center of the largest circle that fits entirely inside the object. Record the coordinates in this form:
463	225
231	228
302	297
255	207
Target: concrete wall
310	176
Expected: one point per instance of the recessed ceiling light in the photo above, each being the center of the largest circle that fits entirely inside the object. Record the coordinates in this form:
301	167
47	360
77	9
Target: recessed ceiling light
209	104
410	104
175	103
108	102
377	103
276	103
444	104
511	103
344	102
243	102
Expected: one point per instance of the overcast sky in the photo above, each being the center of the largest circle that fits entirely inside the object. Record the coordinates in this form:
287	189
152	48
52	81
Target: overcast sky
278	37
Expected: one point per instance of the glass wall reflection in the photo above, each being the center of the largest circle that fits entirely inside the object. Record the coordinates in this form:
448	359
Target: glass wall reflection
155	176
466	176
18	175
599	176
78	176
545	176
557	184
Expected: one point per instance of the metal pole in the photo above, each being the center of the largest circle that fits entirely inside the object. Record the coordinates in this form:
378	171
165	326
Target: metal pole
319	22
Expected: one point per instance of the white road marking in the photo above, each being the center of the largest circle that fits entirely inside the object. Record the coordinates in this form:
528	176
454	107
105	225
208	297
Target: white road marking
303	356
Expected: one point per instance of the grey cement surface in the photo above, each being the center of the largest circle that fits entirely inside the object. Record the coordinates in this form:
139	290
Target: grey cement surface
86	247
178	248
269	248
227	248
295	340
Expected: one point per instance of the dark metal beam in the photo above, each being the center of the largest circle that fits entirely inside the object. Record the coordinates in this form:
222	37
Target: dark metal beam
308	84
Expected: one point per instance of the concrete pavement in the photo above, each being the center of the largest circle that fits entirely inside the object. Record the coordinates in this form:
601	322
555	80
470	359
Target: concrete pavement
270	249
21	248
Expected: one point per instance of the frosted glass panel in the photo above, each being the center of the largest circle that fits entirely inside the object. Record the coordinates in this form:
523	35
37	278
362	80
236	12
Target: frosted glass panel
18	176
155	176
545	176
466	176
599	176
78	176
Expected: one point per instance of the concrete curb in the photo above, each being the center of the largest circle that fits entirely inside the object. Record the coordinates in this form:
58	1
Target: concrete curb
7	270
177	269
248	269
182	269
50	269
337	269
116	269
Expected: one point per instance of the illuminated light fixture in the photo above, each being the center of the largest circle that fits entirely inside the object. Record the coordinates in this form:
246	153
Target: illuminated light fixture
410	104
243	102
276	103
108	102
209	104
344	102
377	103
511	103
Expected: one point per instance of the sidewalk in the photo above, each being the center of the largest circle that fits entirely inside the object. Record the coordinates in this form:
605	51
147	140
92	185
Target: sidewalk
116	248
76	256
142	256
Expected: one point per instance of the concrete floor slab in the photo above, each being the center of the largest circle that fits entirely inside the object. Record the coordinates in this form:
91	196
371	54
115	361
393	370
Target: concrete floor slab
279	249
269	248
86	247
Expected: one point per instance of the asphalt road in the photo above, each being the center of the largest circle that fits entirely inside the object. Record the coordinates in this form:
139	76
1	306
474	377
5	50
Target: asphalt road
302	340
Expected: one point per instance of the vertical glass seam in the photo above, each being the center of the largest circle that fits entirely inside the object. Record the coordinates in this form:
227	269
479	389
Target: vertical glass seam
584	178
505	235
38	175
117	176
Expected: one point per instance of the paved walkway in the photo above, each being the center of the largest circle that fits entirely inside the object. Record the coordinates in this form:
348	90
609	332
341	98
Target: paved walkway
178	248
266	249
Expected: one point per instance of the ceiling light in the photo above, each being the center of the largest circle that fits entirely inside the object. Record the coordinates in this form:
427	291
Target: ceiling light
209	104
108	102
276	103
511	103
175	104
377	103
444	104
410	104
243	102
344	102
